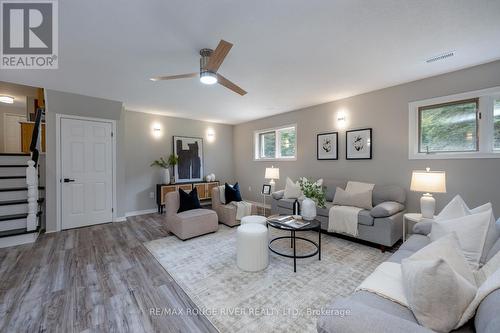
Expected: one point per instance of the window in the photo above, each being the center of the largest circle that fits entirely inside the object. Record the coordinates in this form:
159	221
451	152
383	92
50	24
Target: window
449	127
276	143
460	126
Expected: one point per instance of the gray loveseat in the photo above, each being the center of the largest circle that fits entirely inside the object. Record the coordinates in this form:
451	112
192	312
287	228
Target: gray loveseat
375	314
382	225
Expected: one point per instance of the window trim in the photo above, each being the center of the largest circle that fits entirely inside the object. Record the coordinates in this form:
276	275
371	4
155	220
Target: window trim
257	147
485	127
434	106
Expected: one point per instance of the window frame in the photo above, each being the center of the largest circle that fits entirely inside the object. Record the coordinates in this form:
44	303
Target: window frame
434	106
484	125
258	147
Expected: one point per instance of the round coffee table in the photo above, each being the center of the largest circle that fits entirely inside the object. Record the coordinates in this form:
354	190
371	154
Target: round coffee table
313	225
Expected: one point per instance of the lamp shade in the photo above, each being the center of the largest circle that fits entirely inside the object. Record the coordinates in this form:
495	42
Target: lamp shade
272	173
428	181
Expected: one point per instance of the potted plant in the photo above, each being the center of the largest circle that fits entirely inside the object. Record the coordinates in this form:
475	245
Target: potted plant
173	160
166	164
314	196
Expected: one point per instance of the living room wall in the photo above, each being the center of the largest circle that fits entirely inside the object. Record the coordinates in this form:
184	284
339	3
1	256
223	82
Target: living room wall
142	148
386	111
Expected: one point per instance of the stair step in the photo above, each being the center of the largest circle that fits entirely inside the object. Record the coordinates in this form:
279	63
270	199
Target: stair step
12	177
15	232
16	216
14	154
15	189
17	202
13	165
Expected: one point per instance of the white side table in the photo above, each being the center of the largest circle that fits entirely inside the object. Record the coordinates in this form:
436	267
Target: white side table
412	217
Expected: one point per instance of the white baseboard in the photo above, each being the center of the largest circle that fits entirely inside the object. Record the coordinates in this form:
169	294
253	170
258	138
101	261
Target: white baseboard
119	219
141	212
18	239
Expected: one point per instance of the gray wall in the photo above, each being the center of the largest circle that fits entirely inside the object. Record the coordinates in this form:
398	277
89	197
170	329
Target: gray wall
78	105
386	111
142	148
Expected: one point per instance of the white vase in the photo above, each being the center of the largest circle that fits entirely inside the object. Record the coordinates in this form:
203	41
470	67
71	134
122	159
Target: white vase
165	177
308	209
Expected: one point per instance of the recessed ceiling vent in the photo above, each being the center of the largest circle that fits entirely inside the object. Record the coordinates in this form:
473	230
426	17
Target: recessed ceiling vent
440	57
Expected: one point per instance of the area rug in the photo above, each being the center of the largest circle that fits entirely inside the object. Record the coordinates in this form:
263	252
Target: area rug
274	300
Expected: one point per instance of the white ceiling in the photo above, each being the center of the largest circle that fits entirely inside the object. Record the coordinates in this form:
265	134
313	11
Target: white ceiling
287	54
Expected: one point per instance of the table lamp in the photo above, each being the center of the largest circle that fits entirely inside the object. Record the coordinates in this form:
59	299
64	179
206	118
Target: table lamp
428	182
272	173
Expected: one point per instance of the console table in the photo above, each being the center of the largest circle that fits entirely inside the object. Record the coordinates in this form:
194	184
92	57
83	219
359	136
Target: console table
204	191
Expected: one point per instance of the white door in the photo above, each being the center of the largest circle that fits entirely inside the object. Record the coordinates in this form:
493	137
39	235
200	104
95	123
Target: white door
12	133
87	172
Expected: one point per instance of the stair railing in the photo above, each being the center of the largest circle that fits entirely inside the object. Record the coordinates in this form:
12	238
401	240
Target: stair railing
32	173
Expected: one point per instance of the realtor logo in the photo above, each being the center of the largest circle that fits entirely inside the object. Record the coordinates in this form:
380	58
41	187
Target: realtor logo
29	34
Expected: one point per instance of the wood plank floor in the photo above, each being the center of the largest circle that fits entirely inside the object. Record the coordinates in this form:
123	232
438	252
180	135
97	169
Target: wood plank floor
94	279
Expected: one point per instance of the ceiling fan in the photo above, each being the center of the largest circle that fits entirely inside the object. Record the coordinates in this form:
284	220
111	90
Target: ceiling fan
210	62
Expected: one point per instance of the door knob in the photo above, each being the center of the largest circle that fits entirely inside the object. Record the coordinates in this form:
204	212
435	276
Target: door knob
67	180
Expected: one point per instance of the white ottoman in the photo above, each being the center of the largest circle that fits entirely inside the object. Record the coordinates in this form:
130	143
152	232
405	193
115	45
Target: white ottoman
254	219
252	252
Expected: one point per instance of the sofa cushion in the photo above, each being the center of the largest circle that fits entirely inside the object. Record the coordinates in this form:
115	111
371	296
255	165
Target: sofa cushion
331	186
487	319
195	213
360	199
386	209
286	203
400	255
383	304
382	193
415	243
365	218
324	211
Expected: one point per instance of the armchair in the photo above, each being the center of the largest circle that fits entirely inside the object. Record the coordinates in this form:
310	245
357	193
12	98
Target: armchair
226	213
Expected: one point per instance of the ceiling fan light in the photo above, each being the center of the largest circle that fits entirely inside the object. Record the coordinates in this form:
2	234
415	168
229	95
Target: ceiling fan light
208	78
7	99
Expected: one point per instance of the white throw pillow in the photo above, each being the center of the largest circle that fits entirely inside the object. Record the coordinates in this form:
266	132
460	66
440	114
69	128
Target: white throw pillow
437	295
292	190
454	209
359	199
492	234
448	249
357	187
471	233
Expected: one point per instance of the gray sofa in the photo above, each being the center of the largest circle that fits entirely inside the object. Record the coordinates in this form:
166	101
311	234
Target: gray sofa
375	314
382	225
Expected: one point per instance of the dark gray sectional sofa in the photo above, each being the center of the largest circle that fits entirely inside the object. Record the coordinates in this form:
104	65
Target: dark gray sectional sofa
382	225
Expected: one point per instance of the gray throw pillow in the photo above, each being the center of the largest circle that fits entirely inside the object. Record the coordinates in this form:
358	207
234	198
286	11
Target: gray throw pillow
423	227
437	295
386	209
360	199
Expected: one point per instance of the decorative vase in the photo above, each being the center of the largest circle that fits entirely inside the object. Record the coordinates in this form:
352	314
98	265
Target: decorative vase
165	177
308	209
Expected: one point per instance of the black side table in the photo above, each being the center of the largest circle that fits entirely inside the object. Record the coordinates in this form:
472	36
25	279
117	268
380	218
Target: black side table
313	225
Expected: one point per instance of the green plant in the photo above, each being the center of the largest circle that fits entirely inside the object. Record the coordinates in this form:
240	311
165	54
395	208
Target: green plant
161	163
313	191
173	160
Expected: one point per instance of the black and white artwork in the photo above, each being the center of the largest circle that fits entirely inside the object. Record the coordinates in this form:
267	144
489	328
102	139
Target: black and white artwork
359	144
266	189
327	146
190	153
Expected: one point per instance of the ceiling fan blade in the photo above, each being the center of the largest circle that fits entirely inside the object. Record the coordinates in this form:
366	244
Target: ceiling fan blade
218	55
229	85
173	77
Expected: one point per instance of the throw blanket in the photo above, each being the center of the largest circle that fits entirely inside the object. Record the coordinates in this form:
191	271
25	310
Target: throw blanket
387	282
343	219
243	208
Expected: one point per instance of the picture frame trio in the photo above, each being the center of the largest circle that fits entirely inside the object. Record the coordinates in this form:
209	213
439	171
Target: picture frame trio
358	145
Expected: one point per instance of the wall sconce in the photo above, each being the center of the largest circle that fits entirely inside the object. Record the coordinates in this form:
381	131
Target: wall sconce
7	99
341	119
210	135
157	132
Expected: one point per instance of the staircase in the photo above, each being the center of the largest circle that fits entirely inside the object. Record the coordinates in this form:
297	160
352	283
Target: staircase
21	196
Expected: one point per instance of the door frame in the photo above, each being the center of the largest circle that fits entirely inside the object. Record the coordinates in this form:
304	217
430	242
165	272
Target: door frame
5	115
58	156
